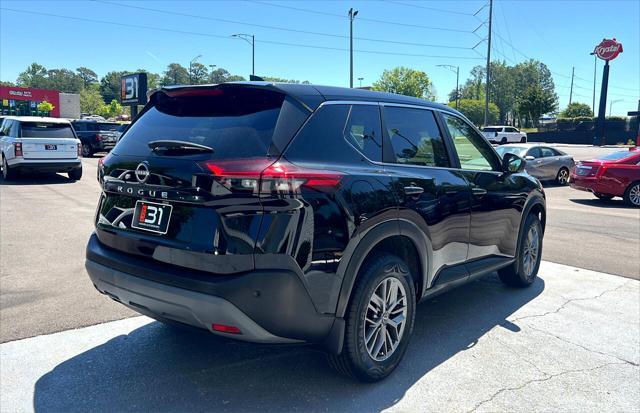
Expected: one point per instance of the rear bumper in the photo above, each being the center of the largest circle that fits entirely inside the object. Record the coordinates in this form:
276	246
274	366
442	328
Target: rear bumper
267	306
46	165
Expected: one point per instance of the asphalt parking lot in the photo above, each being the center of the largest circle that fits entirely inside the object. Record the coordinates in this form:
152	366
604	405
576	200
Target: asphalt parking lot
576	332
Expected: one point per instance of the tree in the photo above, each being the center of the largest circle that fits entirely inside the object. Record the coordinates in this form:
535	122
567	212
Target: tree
111	110
64	80
473	109
91	100
576	109
6	83
221	75
110	85
535	90
35	76
198	74
87	75
405	81
45	106
282	80
535	102
502	89
176	74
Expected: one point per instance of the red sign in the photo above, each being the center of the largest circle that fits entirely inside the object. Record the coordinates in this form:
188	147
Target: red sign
12	94
608	49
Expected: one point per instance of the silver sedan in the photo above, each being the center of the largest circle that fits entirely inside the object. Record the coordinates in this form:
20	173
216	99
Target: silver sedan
544	162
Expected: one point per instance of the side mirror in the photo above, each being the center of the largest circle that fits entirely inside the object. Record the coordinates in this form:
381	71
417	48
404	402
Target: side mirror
512	163
529	158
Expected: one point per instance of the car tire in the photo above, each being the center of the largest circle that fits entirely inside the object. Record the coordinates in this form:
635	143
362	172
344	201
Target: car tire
75	174
523	272
7	173
371	360
503	140
632	194
86	151
562	178
523	139
603	197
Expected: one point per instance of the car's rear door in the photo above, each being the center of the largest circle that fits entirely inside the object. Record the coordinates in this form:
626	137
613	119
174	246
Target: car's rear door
431	193
183	185
47	140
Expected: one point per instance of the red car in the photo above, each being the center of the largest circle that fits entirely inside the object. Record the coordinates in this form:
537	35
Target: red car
615	174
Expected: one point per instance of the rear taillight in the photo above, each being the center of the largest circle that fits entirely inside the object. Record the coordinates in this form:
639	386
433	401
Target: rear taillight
99	137
600	171
223	328
79	150
266	177
18	149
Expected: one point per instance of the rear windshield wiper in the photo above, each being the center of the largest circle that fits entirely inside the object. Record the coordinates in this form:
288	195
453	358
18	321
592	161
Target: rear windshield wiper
178	146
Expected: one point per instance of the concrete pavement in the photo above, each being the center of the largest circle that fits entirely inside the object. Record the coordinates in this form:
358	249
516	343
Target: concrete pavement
570	342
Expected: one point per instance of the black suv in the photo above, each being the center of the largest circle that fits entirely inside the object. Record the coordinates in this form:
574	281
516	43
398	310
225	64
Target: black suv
96	136
279	213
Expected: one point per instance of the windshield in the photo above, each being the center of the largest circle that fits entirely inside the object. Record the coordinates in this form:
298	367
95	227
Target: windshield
489	129
46	130
516	150
234	123
615	156
108	126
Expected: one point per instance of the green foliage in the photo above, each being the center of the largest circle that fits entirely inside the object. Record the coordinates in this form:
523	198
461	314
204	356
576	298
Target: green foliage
576	109
198	74
473	109
617	118
221	75
176	74
64	80
282	80
405	81
87	75
35	76
110	85
6	83
111	110
91	100
45	106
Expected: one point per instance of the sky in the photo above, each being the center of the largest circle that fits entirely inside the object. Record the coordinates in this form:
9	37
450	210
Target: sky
309	40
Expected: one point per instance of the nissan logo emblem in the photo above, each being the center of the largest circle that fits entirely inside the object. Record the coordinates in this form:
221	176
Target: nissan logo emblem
142	173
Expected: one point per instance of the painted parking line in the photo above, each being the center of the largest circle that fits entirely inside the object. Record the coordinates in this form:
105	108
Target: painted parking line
569	342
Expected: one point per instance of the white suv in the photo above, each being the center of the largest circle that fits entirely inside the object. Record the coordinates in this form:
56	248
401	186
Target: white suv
504	134
39	144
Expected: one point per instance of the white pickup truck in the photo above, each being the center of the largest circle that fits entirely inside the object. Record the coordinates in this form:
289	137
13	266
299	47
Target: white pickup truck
39	144
504	134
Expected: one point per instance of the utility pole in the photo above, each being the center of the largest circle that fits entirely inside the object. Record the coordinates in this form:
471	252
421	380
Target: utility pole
252	42
573	70
360	79
352	15
486	94
455	69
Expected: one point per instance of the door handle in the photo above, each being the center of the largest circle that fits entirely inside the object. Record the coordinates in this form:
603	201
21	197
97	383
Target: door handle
479	191
413	190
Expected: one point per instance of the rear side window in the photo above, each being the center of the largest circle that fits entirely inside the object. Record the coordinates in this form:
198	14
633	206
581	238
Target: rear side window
547	152
362	130
235	122
535	152
415	137
46	130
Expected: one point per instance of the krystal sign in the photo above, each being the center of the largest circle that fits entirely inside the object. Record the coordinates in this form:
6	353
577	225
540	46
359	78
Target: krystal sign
608	49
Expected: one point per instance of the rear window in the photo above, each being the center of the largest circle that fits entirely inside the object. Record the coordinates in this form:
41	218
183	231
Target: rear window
616	156
236	123
108	126
46	130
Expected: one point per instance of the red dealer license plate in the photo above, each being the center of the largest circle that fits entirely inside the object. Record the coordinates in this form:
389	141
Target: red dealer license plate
149	216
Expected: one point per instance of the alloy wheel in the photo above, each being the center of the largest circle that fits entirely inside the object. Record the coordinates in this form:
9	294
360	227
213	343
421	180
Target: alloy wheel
634	195
531	251
563	176
385	319
5	168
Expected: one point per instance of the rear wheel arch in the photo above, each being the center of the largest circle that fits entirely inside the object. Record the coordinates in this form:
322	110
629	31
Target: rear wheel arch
627	192
399	238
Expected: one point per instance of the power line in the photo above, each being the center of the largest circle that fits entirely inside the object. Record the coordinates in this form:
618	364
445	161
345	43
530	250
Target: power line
137	26
430	8
418	26
173	13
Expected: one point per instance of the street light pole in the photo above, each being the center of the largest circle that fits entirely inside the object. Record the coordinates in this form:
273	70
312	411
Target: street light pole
252	42
352	15
360	79
191	68
595	67
455	69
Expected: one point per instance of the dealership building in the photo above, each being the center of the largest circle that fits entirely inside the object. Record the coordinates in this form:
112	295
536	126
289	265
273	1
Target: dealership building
21	101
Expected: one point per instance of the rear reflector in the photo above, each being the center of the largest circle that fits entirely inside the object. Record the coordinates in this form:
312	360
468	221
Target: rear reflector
261	176
226	329
18	149
79	150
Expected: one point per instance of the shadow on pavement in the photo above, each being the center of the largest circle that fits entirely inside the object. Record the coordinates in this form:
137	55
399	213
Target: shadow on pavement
160	368
37	179
601	203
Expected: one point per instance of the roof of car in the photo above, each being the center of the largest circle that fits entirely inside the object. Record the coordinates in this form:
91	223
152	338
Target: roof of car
527	145
314	95
37	119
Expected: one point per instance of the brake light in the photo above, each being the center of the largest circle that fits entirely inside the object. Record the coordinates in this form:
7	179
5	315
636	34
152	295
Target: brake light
225	329
18	149
79	150
267	177
600	171
98	137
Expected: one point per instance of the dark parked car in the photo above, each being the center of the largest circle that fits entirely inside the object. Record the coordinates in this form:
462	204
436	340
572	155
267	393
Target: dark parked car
96	136
611	175
306	214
